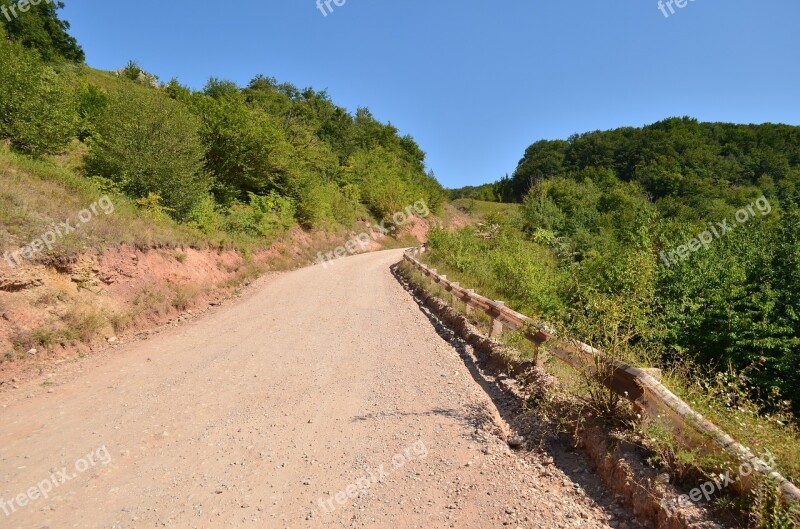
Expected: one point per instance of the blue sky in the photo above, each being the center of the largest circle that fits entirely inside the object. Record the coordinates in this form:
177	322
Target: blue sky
476	82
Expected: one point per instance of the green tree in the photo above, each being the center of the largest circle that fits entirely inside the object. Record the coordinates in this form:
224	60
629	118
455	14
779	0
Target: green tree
38	109
40	28
246	150
150	145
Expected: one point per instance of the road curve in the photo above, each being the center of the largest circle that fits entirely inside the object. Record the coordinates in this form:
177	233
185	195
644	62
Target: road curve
321	398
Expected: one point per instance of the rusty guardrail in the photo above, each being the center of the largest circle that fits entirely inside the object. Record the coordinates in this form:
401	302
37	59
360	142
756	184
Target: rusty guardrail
633	383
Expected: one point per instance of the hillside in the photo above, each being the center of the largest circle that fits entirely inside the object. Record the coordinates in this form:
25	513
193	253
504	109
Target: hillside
685	233
126	202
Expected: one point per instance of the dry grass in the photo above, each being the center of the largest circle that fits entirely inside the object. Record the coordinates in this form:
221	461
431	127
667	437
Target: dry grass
36	194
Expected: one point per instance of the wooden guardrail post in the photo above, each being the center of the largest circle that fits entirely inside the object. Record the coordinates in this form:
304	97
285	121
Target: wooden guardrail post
442	279
470	294
497	325
452	292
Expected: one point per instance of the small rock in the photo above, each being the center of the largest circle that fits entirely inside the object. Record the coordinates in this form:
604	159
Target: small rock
516	442
113	339
33	352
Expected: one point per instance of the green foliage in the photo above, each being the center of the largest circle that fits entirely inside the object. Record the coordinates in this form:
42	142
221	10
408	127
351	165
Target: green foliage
92	102
486	192
520	272
39	28
264	216
389	182
132	71
150	144
771	512
37	105
246	150
248	161
607	204
205	216
678	158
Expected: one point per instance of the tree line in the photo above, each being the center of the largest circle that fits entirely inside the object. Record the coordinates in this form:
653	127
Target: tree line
254	159
599	211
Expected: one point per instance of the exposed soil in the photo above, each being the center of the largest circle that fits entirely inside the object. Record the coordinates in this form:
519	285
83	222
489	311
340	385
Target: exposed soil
55	314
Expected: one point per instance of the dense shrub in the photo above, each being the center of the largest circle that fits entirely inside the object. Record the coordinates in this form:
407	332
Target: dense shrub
265	216
37	105
150	144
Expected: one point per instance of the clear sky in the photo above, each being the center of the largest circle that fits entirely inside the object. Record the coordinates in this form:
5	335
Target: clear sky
476	82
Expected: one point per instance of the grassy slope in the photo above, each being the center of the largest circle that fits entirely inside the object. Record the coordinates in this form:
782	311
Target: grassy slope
37	193
480	209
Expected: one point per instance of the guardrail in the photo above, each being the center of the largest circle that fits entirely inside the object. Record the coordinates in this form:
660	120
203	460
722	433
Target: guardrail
632	383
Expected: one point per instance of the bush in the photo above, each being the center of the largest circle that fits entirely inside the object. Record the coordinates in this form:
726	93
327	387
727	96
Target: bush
91	104
38	110
149	144
265	216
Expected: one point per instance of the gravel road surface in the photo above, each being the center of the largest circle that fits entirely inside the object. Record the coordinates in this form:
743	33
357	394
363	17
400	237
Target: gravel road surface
320	398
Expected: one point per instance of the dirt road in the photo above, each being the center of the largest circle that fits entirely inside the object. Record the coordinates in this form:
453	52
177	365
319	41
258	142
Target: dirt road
321	398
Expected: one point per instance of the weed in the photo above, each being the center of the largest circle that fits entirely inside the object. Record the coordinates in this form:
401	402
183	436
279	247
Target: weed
84	324
119	321
43	337
184	295
769	511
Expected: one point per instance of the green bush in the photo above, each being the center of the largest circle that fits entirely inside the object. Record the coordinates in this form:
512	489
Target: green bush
205	216
265	216
92	102
149	144
245	149
38	111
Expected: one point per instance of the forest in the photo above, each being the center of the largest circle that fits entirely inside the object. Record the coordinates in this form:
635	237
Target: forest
602	243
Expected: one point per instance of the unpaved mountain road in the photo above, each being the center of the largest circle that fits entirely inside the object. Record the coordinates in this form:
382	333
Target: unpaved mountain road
268	411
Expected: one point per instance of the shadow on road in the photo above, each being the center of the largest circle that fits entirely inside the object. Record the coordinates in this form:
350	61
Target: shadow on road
573	463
